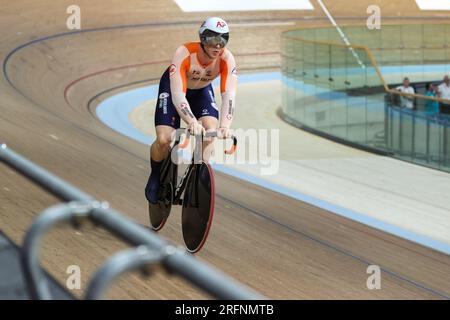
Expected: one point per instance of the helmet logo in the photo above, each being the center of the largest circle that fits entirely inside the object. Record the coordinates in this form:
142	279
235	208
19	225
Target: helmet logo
221	24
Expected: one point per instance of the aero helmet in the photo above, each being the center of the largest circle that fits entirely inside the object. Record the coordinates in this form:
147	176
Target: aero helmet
214	31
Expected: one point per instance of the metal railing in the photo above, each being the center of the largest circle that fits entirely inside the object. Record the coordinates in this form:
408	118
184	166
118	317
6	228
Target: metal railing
417	137
151	250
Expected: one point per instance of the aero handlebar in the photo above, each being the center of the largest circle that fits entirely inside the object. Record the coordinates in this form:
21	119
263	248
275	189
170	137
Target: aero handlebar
208	134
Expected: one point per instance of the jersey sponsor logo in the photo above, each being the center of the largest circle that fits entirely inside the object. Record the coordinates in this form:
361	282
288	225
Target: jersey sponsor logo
172	69
196	75
163	101
230	107
201	79
229	116
185	110
221	24
163	95
205	112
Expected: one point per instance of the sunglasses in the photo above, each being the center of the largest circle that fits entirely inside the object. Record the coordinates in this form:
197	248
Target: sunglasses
218	39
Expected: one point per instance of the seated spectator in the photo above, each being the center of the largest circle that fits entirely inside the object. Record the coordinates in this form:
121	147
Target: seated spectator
444	93
405	101
431	106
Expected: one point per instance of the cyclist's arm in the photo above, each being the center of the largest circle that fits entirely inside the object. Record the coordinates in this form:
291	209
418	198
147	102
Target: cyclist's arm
228	82
178	84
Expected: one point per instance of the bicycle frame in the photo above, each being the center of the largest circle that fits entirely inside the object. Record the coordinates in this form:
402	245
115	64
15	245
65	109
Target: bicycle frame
194	191
182	184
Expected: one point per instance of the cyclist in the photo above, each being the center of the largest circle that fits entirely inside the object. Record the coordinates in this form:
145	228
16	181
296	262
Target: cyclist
185	92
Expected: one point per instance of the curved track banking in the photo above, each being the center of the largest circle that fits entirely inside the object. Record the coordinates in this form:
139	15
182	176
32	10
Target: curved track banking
281	247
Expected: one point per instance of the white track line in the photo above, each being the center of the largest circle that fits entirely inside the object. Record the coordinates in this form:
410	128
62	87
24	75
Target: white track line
261	24
433	4
242	5
341	33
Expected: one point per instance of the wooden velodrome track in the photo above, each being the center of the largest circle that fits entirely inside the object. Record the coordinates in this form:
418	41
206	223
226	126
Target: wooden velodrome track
283	248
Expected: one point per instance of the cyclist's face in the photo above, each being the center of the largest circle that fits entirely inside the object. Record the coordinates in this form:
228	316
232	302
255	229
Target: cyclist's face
214	43
213	51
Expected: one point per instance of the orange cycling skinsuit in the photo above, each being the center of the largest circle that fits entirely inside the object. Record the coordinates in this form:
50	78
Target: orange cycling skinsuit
185	89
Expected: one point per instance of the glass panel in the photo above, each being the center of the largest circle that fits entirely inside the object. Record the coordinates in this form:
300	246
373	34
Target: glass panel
339	91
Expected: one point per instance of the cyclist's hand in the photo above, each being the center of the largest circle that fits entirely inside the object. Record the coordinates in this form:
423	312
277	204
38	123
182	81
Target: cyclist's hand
196	128
223	133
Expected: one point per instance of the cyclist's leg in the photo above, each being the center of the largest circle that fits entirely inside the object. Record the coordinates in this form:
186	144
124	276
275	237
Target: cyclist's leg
167	121
159	150
205	110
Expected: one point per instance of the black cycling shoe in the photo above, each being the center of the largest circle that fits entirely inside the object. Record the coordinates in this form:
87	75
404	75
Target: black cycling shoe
153	184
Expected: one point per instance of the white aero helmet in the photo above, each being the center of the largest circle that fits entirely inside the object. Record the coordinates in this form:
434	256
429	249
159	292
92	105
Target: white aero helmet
214	31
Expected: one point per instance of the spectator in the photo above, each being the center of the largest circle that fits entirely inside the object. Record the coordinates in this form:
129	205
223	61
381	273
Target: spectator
431	106
406	101
444	93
